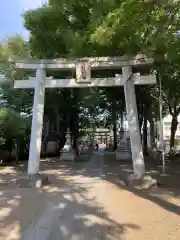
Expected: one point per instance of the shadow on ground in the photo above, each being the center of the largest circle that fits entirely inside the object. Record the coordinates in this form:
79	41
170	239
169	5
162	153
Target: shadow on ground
167	195
78	215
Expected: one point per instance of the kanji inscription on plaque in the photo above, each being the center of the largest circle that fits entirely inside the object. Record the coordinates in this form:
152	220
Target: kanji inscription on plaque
83	72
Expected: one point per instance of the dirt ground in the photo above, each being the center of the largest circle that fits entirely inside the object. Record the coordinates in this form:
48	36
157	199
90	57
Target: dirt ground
88	201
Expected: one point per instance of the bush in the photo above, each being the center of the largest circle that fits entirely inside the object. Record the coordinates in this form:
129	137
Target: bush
12	126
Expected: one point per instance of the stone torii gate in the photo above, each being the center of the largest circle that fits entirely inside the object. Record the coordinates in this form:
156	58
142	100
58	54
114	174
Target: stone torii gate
83	79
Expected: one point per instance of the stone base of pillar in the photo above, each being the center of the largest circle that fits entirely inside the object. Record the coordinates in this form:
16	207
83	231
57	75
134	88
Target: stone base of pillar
68	156
32	181
144	182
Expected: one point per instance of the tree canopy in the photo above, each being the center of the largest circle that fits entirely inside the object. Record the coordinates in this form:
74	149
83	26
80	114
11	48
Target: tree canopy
81	28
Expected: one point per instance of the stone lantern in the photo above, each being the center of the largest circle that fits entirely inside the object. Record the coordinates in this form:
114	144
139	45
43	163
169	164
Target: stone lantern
67	153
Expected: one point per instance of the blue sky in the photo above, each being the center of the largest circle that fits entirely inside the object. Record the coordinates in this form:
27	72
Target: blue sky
11	21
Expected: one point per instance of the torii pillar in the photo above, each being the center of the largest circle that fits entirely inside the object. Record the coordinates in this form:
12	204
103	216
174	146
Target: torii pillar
131	108
37	122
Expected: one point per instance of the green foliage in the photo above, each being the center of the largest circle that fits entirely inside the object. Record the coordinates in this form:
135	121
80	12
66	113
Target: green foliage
19	99
11	123
72	28
60	27
139	26
169	72
2	142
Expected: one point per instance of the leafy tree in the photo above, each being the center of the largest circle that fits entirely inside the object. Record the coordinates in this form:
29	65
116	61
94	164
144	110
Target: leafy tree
96	28
138	26
170	74
65	36
11	123
18	99
150	27
12	126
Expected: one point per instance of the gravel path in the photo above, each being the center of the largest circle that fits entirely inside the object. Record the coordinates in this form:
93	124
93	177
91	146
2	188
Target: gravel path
86	202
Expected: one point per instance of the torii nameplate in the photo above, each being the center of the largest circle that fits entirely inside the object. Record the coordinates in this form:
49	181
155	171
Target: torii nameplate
83	72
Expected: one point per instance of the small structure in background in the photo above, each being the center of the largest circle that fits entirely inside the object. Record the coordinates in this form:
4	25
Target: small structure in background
93	135
167	133
67	153
123	151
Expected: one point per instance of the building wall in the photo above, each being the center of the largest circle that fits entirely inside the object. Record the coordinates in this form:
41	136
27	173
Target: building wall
167	127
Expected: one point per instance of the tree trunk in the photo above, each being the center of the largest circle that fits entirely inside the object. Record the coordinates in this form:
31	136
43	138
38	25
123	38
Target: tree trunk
122	119
145	133
74	128
74	122
64	125
58	122
152	131
115	136
114	124
174	125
